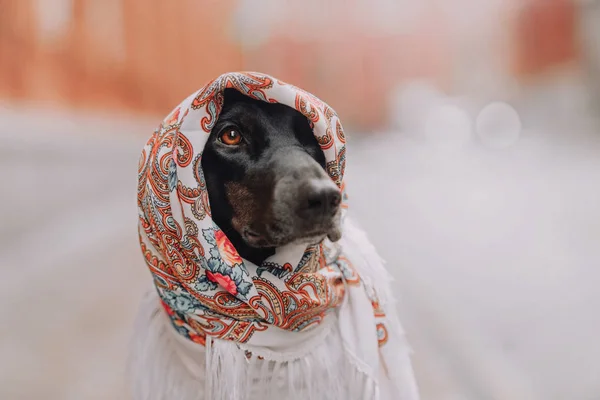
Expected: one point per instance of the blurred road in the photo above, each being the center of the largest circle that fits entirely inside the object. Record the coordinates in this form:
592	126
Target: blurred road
495	253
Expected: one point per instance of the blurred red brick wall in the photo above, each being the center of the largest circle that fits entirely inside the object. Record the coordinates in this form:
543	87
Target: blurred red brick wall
139	55
146	55
353	70
545	35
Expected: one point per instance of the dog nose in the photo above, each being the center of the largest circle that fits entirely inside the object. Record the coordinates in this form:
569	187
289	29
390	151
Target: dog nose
319	200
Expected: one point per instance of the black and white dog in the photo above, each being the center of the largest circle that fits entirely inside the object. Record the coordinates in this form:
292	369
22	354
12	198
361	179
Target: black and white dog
268	187
265	175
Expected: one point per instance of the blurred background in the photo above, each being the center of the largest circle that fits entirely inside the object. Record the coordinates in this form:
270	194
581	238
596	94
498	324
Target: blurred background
474	164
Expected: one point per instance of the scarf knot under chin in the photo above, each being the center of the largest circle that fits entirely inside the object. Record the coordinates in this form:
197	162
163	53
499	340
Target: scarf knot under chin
205	287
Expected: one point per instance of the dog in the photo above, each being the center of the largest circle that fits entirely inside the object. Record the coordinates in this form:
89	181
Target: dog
268	187
266	179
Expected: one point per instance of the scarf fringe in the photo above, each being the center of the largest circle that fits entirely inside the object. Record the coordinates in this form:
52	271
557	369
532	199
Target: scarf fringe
164	366
324	372
224	370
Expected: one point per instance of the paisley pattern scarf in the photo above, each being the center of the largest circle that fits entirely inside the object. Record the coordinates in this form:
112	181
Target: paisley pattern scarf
208	291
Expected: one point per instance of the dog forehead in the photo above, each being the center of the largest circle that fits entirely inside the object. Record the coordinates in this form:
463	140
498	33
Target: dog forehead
276	122
199	113
245	115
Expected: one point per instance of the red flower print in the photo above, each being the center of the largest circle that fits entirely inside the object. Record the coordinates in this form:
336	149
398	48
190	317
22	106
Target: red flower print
228	252
223	280
198	338
167	308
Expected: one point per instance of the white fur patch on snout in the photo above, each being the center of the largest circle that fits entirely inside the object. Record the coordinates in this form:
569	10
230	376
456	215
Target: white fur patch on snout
321	183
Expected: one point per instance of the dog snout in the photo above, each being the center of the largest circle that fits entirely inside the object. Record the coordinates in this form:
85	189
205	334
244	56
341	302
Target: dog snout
305	199
320	199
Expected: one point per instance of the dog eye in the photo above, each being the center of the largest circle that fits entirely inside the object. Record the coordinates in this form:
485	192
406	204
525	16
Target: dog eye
231	137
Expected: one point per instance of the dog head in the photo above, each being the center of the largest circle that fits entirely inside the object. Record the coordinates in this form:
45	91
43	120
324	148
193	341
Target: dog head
266	179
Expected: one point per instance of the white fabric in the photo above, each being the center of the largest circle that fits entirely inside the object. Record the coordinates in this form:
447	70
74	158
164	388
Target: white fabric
261	325
337	360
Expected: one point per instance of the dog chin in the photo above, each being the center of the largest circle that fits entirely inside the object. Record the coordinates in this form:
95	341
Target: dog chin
333	235
255	240
309	240
305	240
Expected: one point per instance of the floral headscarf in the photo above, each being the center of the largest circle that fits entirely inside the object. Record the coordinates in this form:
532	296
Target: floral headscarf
239	310
205	286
